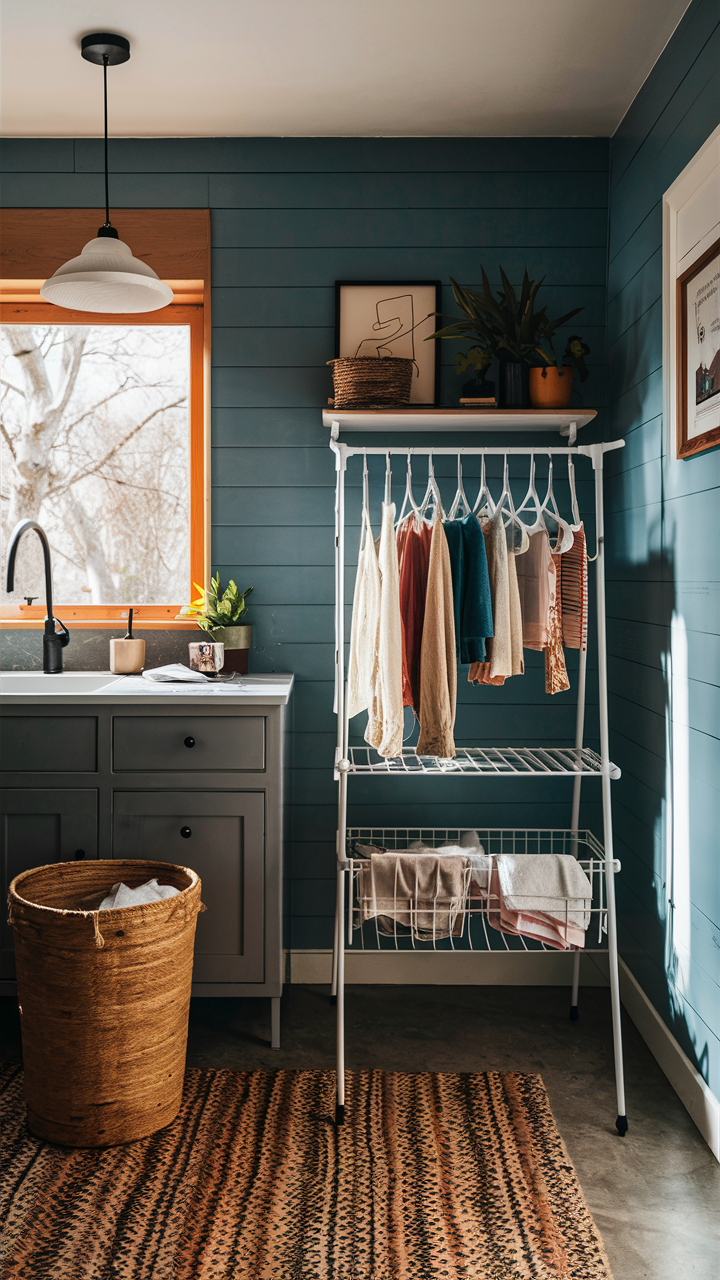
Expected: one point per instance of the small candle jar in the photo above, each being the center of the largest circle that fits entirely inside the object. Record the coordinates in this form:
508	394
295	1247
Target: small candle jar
207	656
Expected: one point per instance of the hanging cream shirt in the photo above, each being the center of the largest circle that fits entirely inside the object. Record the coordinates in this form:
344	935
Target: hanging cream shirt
385	721
362	667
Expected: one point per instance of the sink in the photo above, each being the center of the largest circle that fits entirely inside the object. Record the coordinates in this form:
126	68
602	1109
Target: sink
62	682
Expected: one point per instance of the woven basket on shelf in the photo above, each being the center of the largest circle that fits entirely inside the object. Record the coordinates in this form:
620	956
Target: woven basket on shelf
104	999
364	382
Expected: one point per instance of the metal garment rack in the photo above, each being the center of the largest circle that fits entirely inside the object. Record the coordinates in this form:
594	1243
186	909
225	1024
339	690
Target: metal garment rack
578	761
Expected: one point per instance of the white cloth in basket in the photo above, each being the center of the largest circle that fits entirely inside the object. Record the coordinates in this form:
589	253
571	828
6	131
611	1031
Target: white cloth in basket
122	896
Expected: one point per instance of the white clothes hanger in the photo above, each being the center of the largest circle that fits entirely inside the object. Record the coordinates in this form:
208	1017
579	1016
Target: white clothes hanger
507	507
484	504
408	499
565	536
432	493
388	481
577	522
532	497
460	496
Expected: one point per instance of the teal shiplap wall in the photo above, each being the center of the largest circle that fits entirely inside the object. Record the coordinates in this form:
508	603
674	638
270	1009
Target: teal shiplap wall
664	594
289	217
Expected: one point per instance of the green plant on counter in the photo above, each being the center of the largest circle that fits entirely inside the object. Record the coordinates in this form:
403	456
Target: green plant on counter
213	610
504	325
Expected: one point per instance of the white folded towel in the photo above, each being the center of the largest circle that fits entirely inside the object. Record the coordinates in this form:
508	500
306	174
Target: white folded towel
553	883
122	896
174	672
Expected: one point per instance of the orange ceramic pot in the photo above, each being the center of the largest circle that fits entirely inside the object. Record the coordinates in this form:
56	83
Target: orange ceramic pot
550	387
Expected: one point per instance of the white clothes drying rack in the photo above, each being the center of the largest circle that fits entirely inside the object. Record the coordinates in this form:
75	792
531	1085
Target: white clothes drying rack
577	762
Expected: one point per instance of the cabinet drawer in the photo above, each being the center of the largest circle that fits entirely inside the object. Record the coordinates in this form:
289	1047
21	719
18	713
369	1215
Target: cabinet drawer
190	744
48	744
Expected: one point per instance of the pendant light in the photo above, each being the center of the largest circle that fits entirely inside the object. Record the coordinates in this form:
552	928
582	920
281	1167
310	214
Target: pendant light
106	277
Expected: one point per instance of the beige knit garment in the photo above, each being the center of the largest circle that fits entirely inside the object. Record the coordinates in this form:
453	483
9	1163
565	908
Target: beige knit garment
362	667
438	664
533	581
504	649
385	722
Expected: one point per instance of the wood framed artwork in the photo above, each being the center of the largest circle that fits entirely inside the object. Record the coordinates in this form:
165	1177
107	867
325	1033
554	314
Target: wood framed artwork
392	318
698	354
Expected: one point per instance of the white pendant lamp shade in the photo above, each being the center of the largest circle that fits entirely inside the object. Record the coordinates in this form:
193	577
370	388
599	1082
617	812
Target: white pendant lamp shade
106	277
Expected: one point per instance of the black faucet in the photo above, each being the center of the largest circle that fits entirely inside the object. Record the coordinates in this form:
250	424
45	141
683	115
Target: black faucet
53	641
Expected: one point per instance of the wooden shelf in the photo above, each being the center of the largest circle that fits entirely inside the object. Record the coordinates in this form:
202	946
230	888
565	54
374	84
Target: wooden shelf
410	419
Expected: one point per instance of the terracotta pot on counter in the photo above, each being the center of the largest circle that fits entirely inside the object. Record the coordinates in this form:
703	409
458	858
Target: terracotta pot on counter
550	387
237	641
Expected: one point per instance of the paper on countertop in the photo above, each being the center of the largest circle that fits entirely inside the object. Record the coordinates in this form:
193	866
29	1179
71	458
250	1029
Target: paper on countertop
174	672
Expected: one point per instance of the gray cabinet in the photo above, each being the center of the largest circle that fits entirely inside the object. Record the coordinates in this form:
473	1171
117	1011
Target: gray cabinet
38	826
195	782
221	835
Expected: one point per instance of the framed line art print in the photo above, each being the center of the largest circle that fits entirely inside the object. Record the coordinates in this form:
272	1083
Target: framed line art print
392	318
698	355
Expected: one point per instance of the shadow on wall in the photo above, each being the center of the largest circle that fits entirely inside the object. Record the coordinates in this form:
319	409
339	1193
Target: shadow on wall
665	832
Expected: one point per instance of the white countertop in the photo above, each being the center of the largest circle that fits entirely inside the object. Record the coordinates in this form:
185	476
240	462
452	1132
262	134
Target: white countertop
34	688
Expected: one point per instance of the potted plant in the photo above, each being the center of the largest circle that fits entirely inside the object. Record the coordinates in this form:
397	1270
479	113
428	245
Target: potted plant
551	382
506	326
221	614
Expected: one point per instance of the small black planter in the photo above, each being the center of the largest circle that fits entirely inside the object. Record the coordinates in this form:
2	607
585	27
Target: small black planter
514	385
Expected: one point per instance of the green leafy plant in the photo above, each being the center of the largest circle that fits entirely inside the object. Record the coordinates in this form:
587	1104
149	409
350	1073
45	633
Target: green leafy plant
213	610
503	324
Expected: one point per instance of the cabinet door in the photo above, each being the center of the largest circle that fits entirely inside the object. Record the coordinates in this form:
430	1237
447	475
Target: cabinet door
221	835
37	827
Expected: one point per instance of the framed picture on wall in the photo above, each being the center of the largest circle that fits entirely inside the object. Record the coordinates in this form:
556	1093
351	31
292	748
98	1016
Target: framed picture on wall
392	318
698	355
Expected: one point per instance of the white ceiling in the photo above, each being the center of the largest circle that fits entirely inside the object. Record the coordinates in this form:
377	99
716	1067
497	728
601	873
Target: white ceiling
212	68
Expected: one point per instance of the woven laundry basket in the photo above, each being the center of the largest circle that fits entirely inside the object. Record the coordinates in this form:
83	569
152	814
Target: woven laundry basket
364	382
104	999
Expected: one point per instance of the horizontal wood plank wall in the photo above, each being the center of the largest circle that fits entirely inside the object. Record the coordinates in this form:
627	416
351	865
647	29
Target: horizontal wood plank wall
289	217
664	598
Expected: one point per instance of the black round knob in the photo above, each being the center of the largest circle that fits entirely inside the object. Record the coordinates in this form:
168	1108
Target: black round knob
79	855
185	832
189	742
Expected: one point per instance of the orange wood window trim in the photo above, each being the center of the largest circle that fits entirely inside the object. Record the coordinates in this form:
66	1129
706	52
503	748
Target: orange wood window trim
146	616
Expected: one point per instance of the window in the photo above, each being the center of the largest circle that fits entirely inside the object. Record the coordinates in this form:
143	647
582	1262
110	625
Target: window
103	441
98	445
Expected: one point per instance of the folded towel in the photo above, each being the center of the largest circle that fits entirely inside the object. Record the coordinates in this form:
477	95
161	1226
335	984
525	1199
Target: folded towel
552	883
424	892
122	896
531	924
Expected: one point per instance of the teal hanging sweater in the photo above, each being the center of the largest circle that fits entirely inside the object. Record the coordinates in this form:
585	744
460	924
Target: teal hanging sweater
471	588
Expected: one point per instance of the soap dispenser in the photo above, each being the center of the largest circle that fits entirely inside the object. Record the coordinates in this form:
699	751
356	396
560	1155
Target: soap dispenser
127	655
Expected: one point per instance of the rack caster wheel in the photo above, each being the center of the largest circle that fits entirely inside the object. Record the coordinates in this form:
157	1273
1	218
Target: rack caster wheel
574	1013
339	1113
621	1125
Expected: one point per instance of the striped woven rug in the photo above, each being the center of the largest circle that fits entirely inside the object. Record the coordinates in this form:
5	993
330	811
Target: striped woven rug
452	1176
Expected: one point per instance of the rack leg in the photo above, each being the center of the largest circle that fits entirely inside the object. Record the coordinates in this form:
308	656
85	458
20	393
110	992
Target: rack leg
340	1010
336	946
574	1012
621	1123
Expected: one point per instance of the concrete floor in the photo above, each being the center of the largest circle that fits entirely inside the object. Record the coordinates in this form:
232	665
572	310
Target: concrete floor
655	1194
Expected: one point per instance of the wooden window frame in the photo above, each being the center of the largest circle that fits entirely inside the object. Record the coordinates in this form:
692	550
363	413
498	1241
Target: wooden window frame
187	232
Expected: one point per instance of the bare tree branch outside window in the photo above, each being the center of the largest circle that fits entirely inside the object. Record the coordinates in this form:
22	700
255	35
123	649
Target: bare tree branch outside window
94	444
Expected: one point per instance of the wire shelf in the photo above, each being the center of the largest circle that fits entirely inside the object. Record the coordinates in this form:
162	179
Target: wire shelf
474	932
561	762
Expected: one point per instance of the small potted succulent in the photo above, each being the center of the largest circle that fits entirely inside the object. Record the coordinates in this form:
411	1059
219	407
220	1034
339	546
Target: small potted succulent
551	382
221	614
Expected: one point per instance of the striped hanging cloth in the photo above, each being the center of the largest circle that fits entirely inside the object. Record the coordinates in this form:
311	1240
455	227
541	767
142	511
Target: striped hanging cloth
574	592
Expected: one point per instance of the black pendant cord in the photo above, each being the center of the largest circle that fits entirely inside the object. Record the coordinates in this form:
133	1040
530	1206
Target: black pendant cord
107	195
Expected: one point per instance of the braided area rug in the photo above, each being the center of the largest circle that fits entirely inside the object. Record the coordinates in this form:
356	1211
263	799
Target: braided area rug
463	1177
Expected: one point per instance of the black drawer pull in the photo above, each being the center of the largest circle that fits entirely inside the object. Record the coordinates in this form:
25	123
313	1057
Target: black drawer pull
79	855
185	832
189	742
